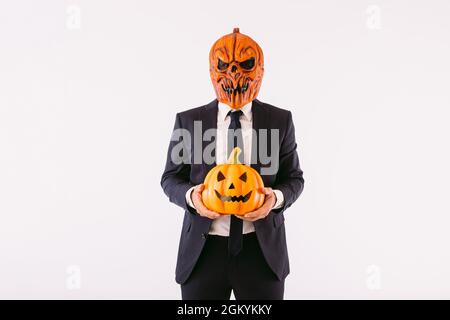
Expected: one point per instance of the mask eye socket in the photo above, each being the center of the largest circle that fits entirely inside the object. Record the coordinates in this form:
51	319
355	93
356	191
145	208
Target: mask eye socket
243	177
220	176
222	65
247	64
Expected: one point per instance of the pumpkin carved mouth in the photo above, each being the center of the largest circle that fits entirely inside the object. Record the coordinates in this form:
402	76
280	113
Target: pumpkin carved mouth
233	198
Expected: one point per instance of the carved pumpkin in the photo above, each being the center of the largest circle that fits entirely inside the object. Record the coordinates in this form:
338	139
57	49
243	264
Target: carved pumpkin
236	66
233	188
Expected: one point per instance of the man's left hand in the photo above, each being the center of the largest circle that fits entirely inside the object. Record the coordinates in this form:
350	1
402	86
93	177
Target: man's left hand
264	210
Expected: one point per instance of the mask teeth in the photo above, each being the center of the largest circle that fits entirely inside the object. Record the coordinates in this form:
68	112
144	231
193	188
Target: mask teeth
237	89
230	90
245	86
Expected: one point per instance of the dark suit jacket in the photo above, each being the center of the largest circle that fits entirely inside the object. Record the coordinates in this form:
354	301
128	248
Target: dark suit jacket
178	178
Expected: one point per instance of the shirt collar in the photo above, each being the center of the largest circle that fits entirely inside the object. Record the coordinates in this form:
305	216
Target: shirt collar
224	109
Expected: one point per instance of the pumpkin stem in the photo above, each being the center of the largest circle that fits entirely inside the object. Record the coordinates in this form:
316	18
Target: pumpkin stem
234	156
236	30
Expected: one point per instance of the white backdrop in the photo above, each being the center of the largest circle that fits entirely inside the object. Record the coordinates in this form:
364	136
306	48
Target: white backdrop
88	95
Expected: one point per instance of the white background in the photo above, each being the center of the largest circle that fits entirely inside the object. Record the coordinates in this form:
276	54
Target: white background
88	96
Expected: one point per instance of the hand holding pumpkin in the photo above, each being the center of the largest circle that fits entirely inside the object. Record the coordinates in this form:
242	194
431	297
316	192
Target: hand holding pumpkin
196	197
264	210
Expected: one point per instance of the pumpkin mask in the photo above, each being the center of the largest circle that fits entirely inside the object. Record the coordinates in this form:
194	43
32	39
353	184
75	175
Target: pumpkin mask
236	66
233	188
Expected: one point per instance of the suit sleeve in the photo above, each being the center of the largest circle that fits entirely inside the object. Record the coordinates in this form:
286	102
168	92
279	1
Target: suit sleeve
175	180
289	176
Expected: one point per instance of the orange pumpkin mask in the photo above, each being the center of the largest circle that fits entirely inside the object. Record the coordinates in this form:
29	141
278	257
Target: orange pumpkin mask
236	66
233	188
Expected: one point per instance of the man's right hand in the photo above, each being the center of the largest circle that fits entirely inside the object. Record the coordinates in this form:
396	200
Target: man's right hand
196	197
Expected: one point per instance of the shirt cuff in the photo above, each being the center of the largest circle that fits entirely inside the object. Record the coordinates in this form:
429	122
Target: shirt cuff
280	199
188	198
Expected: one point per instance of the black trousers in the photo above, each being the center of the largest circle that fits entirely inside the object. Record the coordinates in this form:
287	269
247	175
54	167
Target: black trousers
247	274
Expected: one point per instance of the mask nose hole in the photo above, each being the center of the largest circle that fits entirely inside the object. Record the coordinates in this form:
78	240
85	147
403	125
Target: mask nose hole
231	186
233	69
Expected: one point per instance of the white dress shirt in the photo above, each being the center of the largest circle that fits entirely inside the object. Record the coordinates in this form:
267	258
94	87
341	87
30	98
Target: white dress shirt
221	226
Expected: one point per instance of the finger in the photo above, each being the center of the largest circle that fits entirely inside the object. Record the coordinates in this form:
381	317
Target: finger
252	219
258	217
199	188
269	201
265	208
207	212
262	211
197	197
266	191
254	214
249	215
243	218
202	209
211	214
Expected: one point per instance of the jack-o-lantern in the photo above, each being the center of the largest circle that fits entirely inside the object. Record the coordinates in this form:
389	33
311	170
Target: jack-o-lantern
236	66
233	188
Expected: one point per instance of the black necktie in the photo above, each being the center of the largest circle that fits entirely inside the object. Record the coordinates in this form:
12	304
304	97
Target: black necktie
235	140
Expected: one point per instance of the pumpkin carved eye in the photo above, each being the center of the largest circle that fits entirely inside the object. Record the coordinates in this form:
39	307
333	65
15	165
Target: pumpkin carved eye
222	65
220	176
247	64
243	177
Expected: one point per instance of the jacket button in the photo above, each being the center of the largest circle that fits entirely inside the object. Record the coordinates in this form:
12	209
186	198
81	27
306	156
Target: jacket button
204	235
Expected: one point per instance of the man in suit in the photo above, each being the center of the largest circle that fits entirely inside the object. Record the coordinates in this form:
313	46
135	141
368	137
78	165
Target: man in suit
223	253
